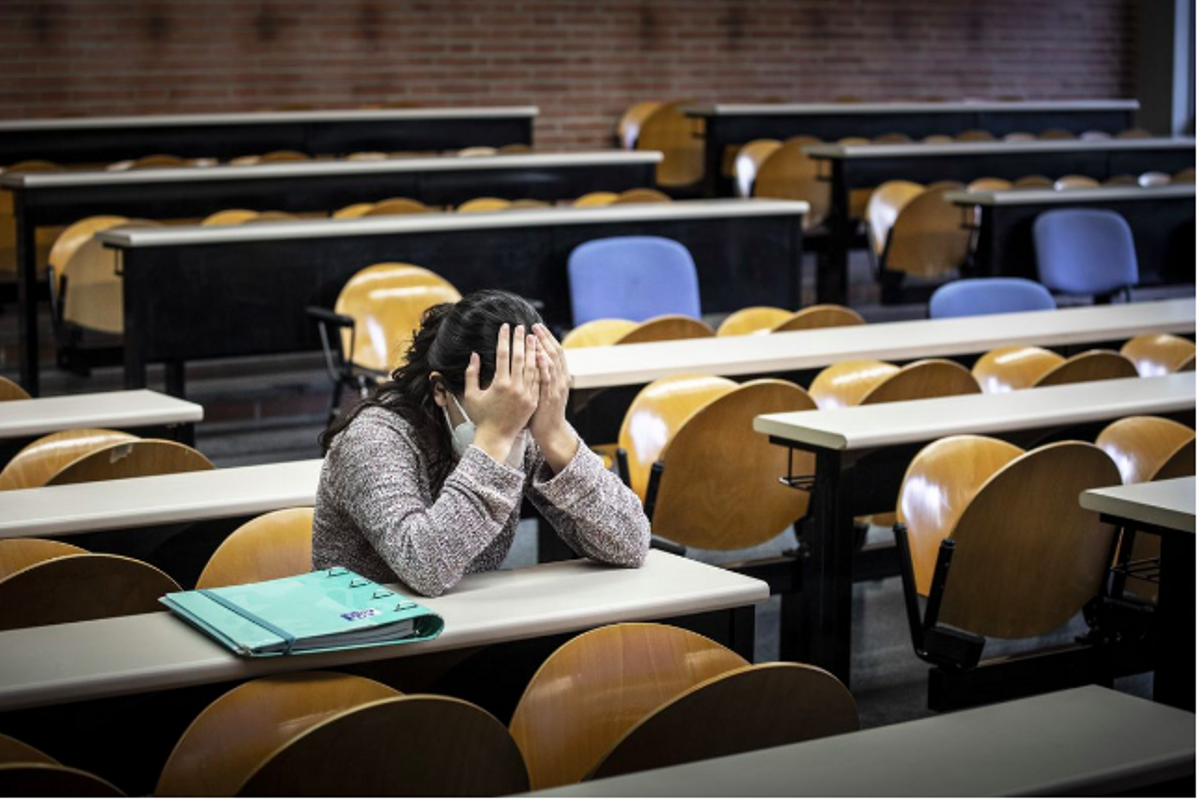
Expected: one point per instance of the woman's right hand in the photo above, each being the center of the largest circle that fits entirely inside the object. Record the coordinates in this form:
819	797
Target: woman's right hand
502	410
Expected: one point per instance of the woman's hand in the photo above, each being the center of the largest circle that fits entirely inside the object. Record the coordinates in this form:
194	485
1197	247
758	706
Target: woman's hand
548	425
502	410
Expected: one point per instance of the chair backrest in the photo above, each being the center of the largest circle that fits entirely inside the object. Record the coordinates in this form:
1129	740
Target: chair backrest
352	211
640	195
712	467
788	174
1094	365
396	206
74	236
823	315
157	161
19	554
1014	367
274	545
632	277
230	738
629	126
974	135
274	157
42	459
1158	353
657	413
14	751
595	688
970	297
884	207
989	185
229	216
1142	446
1033	182
53	780
848	382
1084	251
1153	178
477	151
517	147
748	161
932	377
753	320
928	238
11	390
595	199
597	333
94	298
136	459
528	202
44	237
1056	133
1075	182
386	301
74	588
484	204
1184	176
668	327
669	131
1027	555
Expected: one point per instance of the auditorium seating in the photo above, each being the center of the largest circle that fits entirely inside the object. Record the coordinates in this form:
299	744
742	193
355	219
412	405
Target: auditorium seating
1160	353
1007	369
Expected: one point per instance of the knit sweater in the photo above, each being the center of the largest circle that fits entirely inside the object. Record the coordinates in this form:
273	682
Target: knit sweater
376	513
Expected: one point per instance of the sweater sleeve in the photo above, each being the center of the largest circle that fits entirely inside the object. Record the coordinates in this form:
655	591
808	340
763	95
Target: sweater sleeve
429	547
589	507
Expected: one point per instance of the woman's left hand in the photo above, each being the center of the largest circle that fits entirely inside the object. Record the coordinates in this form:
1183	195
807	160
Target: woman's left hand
548	425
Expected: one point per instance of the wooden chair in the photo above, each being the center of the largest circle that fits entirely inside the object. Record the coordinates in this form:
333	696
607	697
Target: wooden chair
641	196
325	734
514	149
396	206
595	688
853	383
476	152
1056	134
746	709
133	459
274	545
1093	365
1184	176
1033	182
368	155
74	588
748	161
52	780
974	135
242	216
629	126
788	174
1075	182
73	237
1012	368
484	204
667	327
678	138
11	390
598	333
159	161
595	199
274	157
1158	353
824	315
753	320
989	185
19	554
927	239
884	207
1121	180
1153	178
89	287
528	202
40	460
14	751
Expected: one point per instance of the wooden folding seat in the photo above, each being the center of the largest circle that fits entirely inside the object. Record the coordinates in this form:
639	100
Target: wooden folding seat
748	161
475	152
788	174
595	199
641	196
884	207
974	135
926	239
629	126
396	206
274	545
853	383
892	138
1135	133
1007	369
753	320
678	138
666	328
597	333
10	390
1075	182
274	157
484	204
822	315
1033	182
26	771
158	161
528	202
133	459
1159	353
19	554
243	216
40	460
87	288
514	149
1095	136
989	185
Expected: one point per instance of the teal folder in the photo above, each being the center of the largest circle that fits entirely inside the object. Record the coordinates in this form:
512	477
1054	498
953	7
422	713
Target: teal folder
333	609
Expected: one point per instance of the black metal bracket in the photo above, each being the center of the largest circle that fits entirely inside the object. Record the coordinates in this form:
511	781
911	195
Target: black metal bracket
804	482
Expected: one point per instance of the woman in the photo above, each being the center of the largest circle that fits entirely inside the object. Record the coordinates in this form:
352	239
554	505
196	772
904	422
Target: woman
423	481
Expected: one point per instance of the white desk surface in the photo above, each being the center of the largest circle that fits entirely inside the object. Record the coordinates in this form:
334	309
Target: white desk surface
149	652
1089	741
267	118
1099	194
338	166
959	107
132	409
158	500
1166	504
450	221
921	149
599	367
888	424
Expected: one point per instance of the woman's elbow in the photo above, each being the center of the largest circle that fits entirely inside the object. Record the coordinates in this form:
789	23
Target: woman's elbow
634	543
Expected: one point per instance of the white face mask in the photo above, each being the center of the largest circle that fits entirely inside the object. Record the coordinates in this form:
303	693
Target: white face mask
462	436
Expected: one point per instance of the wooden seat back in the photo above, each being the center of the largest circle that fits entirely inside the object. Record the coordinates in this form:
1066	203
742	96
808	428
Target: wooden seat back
1014	367
598	333
825	315
753	320
667	327
74	588
19	554
479	204
157	161
274	157
989	185
396	206
679	138
788	174
749	159
595	199
40	460
74	236
595	688
1093	365
93	297
1075	182
1184	176
892	138
1033	182
933	377
1142	447
640	195
1158	353
14	751
11	390
629	126
53	780
720	486
274	545
136	459
884	207
928	238
750	708
477	151
848	382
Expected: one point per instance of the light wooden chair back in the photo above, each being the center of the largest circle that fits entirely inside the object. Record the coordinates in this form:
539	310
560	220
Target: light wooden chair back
1158	353
40	460
598	333
753	320
74	236
1188	366
74	588
676	137
928	238
1142	447
39	779
595	688
748	161
136	459
283	156
1033	182
1056	133
720	486
1075	182
974	135
11	390
396	206
513	149
386	301
824	315
1153	178
989	185
368	155
14	751
158	161
479	204
274	545
788	174
243	727
640	196
629	126
94	298
595	199
932	377
19	554
884	207
1184	176
528	202
1007	369
352	211
229	216
657	413
1027	556
848	382
750	708
666	328
477	151
1094	365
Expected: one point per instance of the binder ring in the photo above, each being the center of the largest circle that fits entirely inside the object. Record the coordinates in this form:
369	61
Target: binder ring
381	593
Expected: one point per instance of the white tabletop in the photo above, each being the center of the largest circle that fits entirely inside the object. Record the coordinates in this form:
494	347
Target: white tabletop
338	166
923	150
1089	741
599	367
149	652
176	235
133	409
914	421
267	118
1165	504
1099	194
158	500
964	106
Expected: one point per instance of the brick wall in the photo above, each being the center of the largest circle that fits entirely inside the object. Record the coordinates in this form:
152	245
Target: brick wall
581	61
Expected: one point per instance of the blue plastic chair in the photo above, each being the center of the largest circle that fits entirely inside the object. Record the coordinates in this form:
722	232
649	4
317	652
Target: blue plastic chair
632	277
1085	251
971	297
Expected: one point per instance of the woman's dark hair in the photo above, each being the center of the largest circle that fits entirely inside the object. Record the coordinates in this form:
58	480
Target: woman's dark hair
449	333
